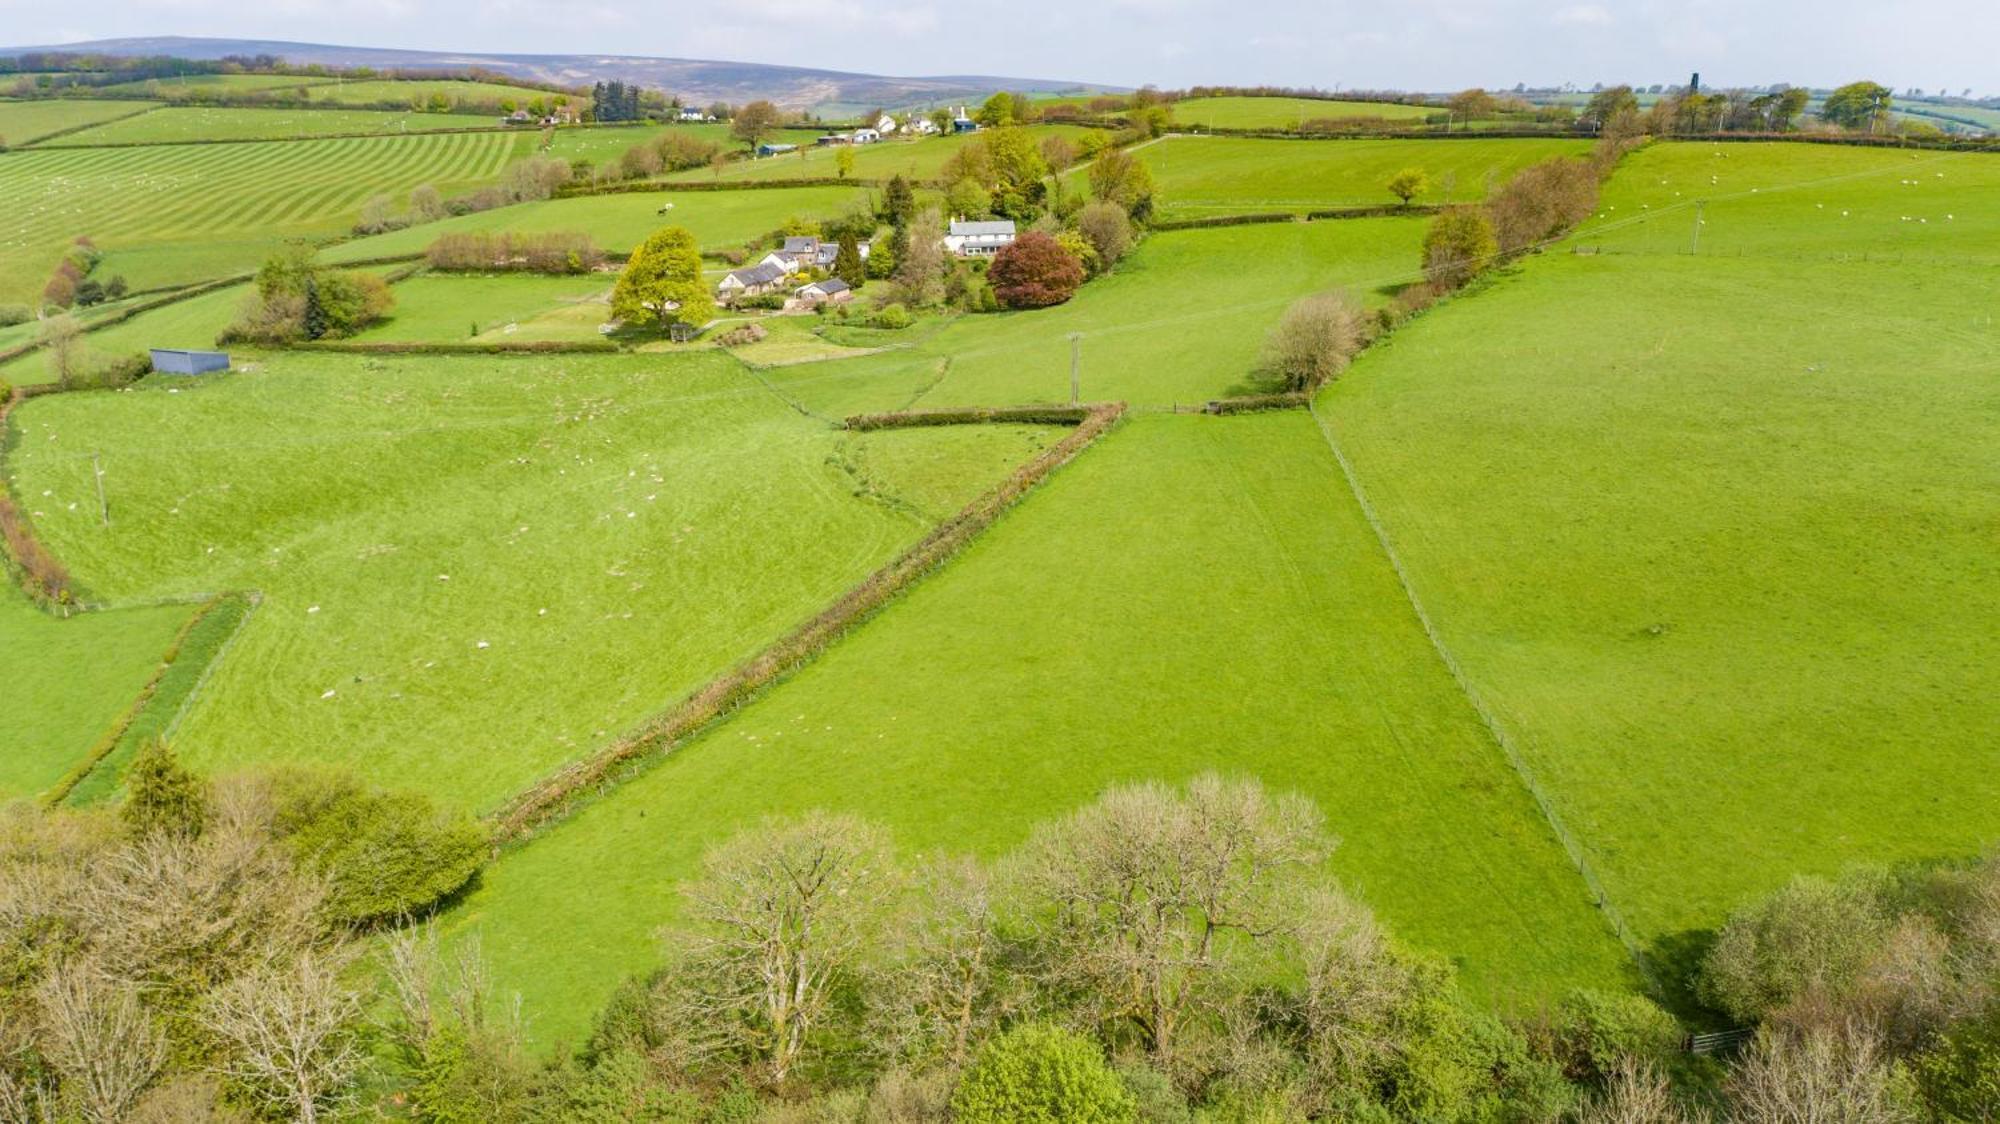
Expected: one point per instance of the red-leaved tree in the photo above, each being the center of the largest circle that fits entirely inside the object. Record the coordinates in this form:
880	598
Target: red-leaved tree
1034	272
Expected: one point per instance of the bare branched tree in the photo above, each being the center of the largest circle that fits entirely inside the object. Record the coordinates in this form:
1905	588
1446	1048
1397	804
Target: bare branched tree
1316	340
292	1031
779	916
100	1039
1150	897
945	985
1821	1075
1351	983
1636	1093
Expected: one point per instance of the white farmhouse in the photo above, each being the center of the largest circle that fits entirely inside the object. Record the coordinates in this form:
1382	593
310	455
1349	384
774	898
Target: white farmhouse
978	239
886	125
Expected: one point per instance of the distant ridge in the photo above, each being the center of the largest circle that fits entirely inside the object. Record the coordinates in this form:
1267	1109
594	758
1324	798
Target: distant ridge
697	80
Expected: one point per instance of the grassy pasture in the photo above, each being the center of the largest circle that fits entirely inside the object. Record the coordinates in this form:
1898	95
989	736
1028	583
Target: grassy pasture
1194	594
1799	202
1202	176
718	219
919	159
190	323
443	307
1715	533
1285	113
1181	320
181	213
195	85
23	122
478	569
215	123
604	144
63	682
416	92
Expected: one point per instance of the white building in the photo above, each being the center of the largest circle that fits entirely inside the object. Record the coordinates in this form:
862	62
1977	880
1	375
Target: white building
886	125
978	239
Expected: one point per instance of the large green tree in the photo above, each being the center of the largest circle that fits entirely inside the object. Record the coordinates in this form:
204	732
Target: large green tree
1857	105
662	282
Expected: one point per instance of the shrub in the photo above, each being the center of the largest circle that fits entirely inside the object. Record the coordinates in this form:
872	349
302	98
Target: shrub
162	796
746	334
1813	936
1458	246
12	314
1107	229
1594	1031
893	316
1317	338
553	252
1958	1075
1034	272
297	299
1041	1073
1542	202
384	854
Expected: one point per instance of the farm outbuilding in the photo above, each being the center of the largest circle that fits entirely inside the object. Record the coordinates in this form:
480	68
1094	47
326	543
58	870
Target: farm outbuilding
176	361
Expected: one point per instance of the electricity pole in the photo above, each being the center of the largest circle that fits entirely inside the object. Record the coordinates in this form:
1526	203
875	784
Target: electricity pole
1696	247
97	470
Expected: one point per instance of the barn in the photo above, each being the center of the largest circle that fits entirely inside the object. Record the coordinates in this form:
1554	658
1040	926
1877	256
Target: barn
176	361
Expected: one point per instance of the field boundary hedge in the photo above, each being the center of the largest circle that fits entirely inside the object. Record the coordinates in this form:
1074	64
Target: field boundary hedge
550	798
971	415
115	734
1501	738
176	296
645	187
497	347
1251	218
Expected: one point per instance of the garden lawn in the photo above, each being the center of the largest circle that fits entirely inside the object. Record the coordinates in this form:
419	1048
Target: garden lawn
1193	595
478	569
1181	320
918	159
179	213
63	682
1715	535
718	219
447	307
1286	113
1199	177
213	123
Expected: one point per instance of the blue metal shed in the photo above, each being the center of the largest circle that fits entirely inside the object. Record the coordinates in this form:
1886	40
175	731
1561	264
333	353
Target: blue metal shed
174	361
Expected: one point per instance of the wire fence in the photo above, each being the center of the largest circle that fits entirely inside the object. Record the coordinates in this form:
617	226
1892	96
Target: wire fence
1494	728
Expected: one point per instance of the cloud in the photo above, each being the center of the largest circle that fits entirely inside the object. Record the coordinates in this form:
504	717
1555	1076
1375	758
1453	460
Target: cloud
1584	15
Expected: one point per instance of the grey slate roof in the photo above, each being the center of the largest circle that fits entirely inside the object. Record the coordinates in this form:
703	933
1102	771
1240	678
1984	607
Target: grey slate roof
801	245
758	274
829	286
981	229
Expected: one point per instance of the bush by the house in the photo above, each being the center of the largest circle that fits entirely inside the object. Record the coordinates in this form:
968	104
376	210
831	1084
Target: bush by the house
892	316
741	335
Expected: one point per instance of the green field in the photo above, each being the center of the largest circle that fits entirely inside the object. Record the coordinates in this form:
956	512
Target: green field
198	85
1202	176
63	682
917	159
209	123
718	219
23	122
445	307
1180	321
417	92
1286	113
604	144
180	213
190	323
1715	533
1195	594
475	569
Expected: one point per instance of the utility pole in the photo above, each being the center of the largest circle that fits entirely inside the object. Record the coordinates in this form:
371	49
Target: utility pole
103	509
1695	248
1075	367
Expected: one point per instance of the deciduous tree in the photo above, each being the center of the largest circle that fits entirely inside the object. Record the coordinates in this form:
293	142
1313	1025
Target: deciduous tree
1458	245
1316	340
1408	184
1034	272
753	123
662	283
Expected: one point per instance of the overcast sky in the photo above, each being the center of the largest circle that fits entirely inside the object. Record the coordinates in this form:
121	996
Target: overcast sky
1407	44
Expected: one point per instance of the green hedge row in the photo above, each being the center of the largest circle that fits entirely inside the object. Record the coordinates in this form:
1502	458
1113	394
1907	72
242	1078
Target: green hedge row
1257	403
972	415
533	347
1250	219
649	187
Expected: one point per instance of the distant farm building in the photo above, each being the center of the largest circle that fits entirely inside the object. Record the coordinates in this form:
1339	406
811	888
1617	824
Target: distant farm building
978	239
830	291
755	281
173	361
768	149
